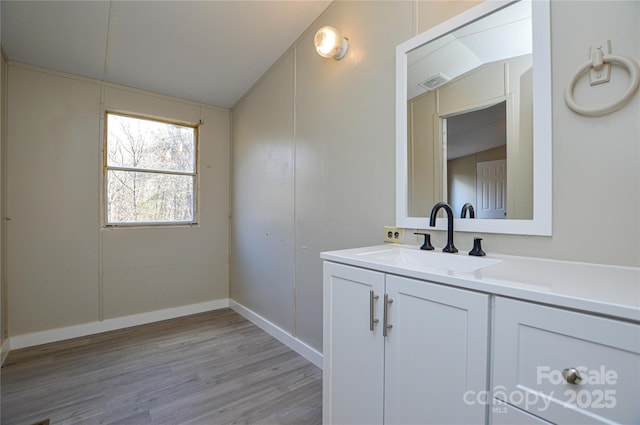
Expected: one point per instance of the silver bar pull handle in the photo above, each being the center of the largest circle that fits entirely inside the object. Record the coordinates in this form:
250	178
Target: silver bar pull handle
372	320
385	321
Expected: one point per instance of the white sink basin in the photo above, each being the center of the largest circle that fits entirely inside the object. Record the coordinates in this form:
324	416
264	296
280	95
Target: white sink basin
403	257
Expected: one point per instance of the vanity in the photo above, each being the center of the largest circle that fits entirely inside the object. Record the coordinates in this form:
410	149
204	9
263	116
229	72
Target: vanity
419	337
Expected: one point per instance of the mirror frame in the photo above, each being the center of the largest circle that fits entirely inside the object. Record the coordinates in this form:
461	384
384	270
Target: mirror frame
542	132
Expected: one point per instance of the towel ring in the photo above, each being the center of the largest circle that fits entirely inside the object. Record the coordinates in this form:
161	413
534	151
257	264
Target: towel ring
634	76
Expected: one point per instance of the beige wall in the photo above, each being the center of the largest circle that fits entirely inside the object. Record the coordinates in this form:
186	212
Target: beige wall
334	156
262	225
4	311
63	268
313	170
325	131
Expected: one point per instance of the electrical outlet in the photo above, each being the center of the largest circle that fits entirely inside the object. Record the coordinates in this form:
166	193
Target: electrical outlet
393	234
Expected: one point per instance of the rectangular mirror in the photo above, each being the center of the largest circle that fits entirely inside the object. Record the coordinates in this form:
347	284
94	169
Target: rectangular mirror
473	124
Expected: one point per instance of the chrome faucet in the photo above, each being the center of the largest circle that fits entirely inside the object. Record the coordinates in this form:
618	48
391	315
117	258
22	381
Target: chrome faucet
432	222
468	207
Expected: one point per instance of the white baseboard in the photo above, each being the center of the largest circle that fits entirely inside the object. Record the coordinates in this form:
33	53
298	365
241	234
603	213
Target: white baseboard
4	350
60	334
278	333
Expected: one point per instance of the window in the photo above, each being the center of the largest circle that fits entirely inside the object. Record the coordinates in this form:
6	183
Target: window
150	171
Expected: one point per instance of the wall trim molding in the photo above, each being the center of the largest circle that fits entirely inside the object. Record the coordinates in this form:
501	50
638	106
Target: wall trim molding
61	334
300	347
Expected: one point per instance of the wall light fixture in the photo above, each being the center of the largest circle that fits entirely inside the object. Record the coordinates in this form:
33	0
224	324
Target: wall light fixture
329	43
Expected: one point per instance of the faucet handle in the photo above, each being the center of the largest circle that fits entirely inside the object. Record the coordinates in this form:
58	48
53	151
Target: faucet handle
477	248
426	246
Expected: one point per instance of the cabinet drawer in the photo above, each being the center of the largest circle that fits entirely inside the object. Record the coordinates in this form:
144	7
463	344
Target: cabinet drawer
534	344
503	414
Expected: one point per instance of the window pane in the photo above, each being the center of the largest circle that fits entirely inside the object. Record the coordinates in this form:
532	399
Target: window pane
138	197
146	144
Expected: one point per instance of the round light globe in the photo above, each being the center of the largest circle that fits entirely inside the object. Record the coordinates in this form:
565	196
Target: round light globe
329	44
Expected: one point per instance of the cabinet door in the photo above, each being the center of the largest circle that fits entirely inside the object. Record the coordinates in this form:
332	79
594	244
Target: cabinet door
353	354
534	344
435	354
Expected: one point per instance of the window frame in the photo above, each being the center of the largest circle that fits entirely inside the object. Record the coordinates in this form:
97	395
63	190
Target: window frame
106	168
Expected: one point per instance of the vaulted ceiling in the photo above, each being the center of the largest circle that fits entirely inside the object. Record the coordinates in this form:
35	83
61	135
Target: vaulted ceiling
206	51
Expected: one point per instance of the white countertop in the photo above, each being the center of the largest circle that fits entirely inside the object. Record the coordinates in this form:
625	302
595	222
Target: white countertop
600	289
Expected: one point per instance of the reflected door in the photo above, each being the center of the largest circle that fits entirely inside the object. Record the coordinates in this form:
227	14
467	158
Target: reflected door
491	189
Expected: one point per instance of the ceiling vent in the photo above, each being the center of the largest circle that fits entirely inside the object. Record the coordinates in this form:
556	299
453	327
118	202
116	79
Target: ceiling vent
434	81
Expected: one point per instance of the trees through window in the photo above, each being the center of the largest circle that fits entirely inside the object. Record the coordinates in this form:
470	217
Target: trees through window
150	171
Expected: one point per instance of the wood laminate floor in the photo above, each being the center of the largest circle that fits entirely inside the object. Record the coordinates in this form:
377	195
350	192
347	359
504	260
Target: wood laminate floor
209	368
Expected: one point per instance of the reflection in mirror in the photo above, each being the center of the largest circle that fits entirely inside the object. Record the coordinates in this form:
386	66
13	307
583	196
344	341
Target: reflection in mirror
476	163
466	120
475	74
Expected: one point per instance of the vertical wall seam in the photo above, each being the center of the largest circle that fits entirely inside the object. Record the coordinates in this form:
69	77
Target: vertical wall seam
101	173
197	183
101	130
4	190
230	185
294	330
415	18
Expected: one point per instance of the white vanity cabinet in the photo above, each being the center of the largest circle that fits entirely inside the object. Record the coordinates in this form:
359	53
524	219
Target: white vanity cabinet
353	356
496	340
534	344
429	365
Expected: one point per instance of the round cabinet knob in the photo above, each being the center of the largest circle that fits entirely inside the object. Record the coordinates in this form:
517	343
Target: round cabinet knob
572	375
